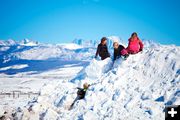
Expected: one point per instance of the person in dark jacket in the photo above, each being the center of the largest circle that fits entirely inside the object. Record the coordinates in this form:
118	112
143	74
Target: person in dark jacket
117	50
102	49
80	93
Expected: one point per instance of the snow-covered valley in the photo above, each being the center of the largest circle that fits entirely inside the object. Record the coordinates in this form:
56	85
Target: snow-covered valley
135	89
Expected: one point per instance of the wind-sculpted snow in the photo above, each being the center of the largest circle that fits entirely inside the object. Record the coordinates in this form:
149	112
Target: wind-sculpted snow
134	89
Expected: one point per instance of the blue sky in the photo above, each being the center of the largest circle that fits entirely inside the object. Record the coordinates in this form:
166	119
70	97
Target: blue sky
60	21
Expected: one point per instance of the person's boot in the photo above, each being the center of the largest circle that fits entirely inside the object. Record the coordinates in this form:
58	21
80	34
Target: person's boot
126	56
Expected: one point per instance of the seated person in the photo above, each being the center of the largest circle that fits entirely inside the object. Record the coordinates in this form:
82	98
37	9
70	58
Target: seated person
135	44
102	49
117	50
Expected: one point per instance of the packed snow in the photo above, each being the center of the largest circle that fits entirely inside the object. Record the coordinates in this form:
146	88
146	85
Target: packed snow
134	89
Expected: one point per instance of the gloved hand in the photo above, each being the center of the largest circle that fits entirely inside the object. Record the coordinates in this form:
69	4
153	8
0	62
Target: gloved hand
95	57
126	56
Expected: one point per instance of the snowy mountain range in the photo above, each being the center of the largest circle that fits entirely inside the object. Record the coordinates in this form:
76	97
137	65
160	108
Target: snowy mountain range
134	89
11	42
30	50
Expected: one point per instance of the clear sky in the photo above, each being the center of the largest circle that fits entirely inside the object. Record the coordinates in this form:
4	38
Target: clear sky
60	21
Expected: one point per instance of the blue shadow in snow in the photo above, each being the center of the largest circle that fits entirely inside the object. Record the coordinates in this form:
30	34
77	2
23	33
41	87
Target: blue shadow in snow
38	66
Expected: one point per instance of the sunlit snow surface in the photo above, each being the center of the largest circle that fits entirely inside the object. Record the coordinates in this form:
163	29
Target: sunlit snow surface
135	89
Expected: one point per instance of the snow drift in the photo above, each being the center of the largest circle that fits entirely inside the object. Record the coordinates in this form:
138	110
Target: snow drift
135	89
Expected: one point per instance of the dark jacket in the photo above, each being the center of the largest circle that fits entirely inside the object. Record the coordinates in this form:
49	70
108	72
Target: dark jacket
81	93
117	52
102	51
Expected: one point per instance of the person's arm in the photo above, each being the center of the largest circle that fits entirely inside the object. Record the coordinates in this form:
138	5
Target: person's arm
115	55
141	45
97	51
121	47
108	51
79	88
129	40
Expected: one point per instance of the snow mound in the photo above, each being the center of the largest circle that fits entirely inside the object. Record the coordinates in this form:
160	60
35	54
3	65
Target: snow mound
117	39
98	68
137	89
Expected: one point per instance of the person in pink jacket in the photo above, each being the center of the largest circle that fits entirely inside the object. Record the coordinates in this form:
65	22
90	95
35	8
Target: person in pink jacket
135	44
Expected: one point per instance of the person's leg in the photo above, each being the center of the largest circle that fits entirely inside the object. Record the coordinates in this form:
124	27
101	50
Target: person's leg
76	99
102	58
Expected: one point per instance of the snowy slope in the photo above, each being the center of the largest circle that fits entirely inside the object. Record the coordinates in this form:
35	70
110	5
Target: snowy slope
135	89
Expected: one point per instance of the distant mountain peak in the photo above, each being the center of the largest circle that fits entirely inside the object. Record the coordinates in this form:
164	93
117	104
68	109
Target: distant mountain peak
85	43
11	42
28	42
8	42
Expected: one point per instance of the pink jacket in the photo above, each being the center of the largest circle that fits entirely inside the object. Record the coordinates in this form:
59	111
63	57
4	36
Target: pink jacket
134	46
